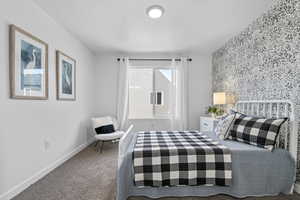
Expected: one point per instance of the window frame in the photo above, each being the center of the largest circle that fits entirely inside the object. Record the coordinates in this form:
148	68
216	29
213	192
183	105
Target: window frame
155	116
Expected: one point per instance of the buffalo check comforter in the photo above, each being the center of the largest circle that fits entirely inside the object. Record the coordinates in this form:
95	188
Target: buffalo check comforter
177	158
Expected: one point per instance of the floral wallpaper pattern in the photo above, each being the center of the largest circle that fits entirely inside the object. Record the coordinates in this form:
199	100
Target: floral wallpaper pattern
263	61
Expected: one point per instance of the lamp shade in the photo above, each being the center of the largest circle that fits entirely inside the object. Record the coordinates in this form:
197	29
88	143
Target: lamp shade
219	98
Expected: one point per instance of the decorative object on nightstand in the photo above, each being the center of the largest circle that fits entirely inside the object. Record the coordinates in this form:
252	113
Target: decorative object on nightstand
208	124
215	111
219	99
223	101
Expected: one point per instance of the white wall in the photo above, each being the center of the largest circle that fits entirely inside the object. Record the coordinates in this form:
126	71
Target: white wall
25	125
200	87
200	84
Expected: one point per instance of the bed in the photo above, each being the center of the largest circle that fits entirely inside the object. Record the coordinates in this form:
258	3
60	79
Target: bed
255	171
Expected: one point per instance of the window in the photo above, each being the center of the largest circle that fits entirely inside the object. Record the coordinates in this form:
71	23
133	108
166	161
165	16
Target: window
149	92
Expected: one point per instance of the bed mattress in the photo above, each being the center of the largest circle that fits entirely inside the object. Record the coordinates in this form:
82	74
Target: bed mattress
255	172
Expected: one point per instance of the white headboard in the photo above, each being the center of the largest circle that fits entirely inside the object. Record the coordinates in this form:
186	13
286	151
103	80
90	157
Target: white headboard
275	108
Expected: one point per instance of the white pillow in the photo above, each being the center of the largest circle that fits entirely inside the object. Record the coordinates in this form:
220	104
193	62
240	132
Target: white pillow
224	125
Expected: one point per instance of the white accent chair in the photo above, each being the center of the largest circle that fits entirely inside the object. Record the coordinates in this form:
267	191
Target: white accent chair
108	137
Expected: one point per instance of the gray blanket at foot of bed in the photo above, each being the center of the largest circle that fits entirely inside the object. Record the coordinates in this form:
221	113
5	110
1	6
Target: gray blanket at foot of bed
255	172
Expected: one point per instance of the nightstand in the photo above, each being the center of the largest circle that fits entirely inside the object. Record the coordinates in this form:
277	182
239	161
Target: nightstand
208	124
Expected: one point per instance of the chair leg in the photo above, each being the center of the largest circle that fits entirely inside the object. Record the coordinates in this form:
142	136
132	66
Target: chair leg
96	143
101	148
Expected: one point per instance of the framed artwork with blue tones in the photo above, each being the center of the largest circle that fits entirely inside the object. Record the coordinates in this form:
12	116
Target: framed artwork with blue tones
66	77
28	65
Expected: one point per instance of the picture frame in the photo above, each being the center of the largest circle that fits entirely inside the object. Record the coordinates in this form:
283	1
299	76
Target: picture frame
28	65
65	77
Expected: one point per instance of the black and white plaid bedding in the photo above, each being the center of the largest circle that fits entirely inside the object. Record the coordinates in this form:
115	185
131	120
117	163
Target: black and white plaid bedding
261	132
180	158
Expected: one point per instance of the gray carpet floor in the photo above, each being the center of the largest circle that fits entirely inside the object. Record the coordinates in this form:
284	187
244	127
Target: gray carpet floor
92	176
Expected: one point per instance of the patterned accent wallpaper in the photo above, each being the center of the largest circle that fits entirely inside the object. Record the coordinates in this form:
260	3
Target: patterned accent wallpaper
263	61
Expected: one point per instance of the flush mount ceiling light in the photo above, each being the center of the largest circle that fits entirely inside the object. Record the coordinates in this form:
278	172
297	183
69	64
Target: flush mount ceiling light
155	11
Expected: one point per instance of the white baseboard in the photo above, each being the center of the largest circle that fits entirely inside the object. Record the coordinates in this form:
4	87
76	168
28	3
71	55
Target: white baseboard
28	182
297	187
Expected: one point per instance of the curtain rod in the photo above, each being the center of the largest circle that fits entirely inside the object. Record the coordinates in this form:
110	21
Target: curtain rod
154	59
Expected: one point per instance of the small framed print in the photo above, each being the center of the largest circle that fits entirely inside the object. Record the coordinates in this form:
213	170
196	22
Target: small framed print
28	57
65	77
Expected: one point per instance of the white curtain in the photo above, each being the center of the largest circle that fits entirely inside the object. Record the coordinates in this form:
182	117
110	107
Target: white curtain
179	95
122	105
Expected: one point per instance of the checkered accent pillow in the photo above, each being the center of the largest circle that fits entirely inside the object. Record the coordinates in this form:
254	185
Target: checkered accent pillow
261	132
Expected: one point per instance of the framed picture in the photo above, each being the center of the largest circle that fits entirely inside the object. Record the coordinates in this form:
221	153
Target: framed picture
65	77
28	65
